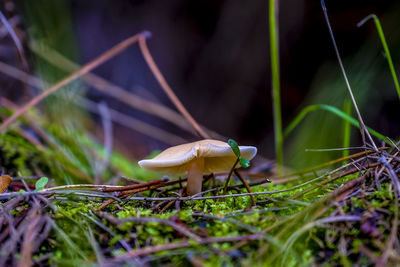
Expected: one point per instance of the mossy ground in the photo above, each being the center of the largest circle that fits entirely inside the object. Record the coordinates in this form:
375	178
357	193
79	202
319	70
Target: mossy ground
80	235
76	217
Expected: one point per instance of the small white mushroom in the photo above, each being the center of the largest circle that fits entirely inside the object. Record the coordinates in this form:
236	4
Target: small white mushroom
197	159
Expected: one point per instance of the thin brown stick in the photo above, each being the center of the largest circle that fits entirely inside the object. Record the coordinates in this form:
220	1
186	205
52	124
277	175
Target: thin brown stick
116	116
335	177
167	206
167	89
149	187
134	124
229	175
103	188
111	89
276	179
363	128
238	174
75	75
137	190
134	186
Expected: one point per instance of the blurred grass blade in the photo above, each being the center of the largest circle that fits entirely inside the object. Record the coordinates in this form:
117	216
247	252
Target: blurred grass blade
276	96
107	55
333	110
346	128
385	48
15	39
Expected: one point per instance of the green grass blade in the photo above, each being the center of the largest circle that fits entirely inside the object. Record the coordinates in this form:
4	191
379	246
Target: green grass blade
296	121
385	48
276	97
346	128
334	111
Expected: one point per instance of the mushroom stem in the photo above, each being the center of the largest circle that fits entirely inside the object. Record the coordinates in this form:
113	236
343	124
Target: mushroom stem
195	176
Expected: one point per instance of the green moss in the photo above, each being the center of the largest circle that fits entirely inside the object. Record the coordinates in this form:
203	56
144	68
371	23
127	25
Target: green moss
74	216
19	157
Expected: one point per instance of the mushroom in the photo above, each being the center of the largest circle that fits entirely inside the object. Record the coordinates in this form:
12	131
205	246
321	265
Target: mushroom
196	159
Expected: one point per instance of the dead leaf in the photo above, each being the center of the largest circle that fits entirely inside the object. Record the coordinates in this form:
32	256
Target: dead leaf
5	181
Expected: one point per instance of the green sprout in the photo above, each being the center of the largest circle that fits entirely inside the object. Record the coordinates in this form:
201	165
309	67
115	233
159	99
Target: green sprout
41	183
245	163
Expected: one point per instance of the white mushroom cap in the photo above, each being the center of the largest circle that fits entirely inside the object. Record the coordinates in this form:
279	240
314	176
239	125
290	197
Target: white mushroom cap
218	157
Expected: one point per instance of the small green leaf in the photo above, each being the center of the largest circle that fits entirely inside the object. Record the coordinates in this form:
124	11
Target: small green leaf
232	143
21	191
245	163
41	183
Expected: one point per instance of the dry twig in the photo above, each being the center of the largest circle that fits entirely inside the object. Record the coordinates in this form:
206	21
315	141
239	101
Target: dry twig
167	89
75	75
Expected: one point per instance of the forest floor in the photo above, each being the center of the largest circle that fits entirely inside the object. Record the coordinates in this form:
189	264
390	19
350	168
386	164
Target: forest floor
342	213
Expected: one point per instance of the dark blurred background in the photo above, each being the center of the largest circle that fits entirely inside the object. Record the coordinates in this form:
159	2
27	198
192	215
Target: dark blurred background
215	55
